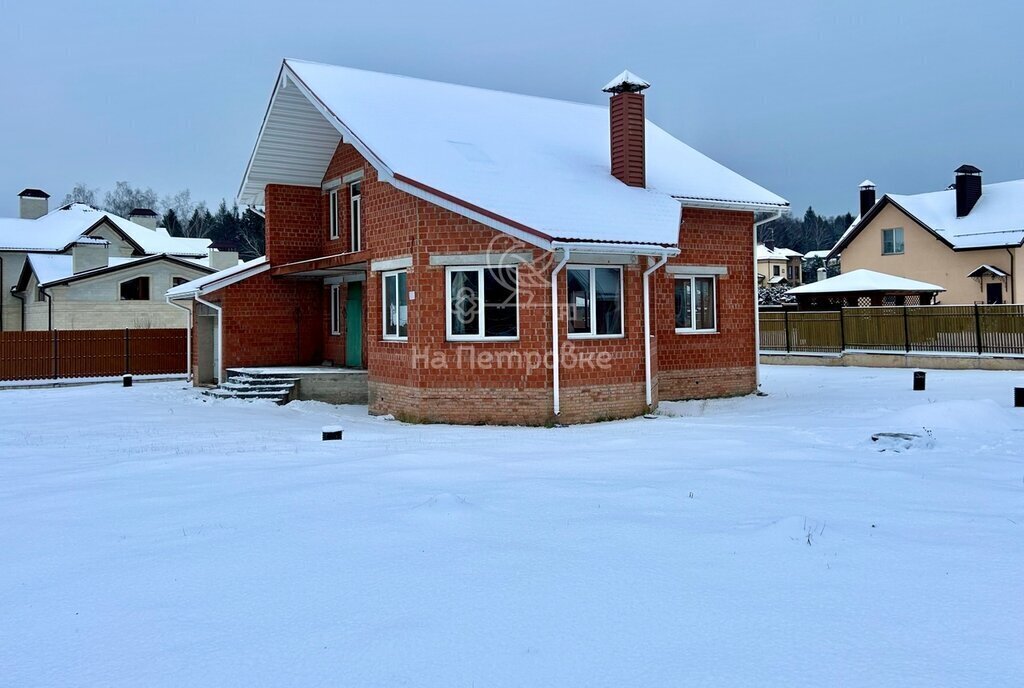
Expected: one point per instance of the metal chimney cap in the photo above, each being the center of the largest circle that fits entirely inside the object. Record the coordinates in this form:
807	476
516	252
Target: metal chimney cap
626	82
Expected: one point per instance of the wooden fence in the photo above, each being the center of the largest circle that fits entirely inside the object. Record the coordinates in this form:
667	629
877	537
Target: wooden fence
91	353
905	329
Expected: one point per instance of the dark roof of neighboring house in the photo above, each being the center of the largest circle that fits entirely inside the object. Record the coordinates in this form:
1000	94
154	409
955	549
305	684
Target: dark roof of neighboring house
33	193
143	212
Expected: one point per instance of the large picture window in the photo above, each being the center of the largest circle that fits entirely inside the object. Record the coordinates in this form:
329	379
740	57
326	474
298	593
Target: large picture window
594	298
355	200
332	219
696	306
396	305
483	303
892	241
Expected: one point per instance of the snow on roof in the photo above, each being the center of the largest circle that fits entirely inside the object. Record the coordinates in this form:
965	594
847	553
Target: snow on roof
867	183
534	162
50	267
986	268
61	227
626	81
822	254
864	280
777	253
997	219
199	285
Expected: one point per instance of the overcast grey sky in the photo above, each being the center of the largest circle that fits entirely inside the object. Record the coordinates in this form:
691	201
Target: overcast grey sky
805	98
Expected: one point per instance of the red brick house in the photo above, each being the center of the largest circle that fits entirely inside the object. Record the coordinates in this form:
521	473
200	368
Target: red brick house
487	256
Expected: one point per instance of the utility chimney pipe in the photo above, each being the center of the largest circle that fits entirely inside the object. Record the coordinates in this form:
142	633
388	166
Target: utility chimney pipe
627	128
33	203
968	189
867	196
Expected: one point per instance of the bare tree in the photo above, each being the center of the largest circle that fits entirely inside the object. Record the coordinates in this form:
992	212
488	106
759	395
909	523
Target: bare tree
124	198
81	194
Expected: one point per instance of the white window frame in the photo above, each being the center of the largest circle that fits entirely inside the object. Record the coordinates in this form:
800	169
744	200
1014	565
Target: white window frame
355	216
149	296
692	279
593	303
479	269
335	309
903	245
384	305
332	204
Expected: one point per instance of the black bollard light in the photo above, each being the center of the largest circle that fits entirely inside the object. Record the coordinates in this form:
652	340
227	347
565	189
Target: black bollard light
126	380
919	380
1018	397
331	432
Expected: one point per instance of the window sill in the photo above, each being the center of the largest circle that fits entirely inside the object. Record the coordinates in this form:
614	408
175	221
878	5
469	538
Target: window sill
480	340
336	334
596	336
679	331
400	340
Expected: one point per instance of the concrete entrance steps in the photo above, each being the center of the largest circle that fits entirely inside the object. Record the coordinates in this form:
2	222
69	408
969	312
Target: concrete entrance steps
247	384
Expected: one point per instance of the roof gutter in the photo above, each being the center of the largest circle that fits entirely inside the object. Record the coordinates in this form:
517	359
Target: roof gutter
732	205
757	315
555	320
649	394
617	248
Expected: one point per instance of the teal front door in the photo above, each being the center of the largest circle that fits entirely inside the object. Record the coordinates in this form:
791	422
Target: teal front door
354	326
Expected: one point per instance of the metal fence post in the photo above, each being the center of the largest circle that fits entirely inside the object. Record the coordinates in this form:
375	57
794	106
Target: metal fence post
54	351
127	351
842	330
906	331
785	317
977	328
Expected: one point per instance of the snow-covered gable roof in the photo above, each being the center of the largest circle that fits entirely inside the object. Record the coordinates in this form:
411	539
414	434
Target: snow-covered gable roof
777	253
61	227
534	163
51	268
864	280
220	279
996	220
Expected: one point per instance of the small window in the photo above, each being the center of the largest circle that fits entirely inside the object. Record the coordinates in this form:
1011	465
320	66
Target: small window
696	309
335	309
396	305
135	289
776	270
178	281
355	216
892	241
594	298
40	294
483	303
332	213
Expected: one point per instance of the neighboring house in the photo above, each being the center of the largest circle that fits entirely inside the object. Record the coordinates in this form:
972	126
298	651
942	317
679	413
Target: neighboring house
967	238
778	265
422	231
81	268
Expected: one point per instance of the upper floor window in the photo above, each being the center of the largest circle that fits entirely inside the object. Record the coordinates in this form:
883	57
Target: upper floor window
483	303
355	215
136	289
776	270
594	298
333	213
696	306
178	281
396	305
892	241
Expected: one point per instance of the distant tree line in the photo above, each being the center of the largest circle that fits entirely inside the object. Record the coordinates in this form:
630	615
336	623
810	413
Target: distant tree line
181	216
813	232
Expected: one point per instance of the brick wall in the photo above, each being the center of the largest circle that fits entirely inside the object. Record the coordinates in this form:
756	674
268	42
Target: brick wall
293	229
710	365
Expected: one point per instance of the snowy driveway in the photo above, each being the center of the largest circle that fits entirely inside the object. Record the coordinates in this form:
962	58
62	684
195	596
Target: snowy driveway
149	537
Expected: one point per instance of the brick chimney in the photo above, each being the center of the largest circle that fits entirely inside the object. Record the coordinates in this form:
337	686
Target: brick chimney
33	203
626	108
867	196
89	253
144	216
968	189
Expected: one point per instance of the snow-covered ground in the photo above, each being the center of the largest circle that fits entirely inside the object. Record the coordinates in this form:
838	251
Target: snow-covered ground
149	537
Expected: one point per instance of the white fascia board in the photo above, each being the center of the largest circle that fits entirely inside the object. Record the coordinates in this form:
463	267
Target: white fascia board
730	205
616	249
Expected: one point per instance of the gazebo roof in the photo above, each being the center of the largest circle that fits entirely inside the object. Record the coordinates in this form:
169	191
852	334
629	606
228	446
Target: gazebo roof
861	281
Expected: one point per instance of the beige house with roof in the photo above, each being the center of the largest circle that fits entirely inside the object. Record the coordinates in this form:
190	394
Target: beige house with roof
778	265
967	238
77	268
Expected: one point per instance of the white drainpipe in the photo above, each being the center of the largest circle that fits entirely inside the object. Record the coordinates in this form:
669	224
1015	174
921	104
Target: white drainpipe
757	311
188	337
647	325
220	335
555	321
